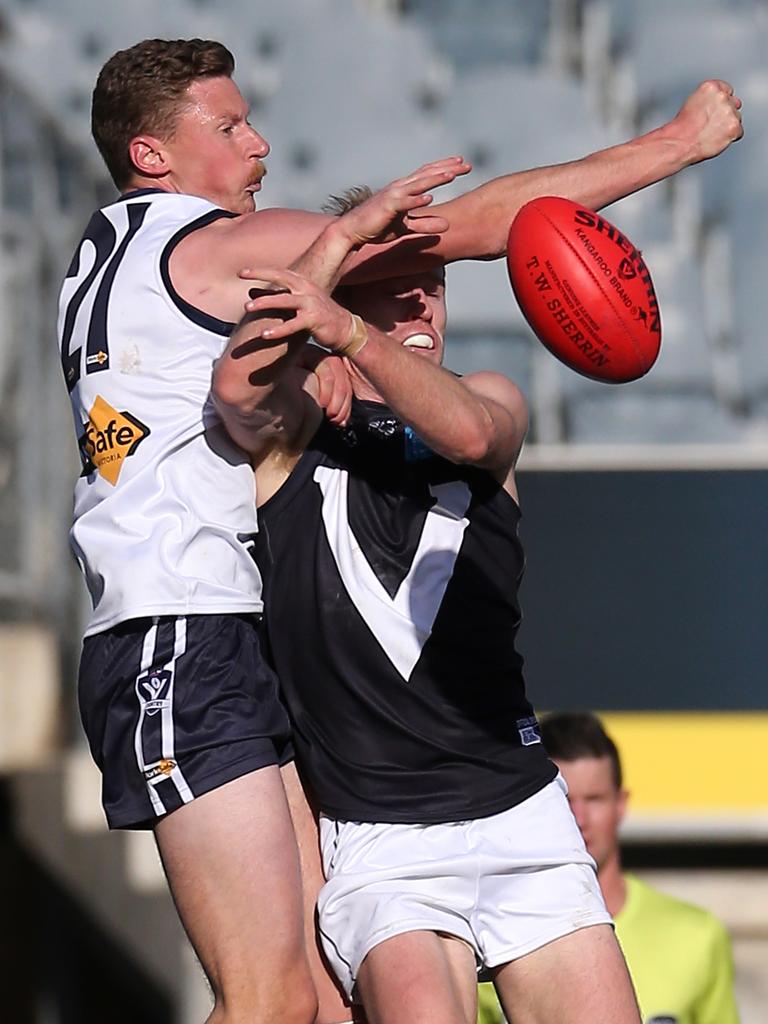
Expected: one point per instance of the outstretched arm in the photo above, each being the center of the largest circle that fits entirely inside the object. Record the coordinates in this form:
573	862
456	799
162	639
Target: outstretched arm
477	222
707	123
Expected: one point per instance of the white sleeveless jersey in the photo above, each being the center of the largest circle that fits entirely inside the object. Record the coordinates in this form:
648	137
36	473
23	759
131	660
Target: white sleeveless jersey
165	510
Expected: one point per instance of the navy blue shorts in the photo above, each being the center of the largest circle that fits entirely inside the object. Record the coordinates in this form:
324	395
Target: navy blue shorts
174	707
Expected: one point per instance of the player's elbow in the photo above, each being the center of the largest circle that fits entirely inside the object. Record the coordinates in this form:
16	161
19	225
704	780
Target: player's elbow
229	402
227	392
229	415
475	444
247	417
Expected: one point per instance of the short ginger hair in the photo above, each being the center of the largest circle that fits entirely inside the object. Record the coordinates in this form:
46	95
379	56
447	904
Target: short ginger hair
143	89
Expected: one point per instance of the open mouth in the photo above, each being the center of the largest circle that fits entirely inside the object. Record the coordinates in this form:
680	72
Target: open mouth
420	341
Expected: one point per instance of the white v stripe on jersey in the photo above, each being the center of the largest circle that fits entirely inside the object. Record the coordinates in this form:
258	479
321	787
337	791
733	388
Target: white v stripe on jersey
401	625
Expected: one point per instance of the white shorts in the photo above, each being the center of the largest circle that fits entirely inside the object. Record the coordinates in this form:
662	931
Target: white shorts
506	884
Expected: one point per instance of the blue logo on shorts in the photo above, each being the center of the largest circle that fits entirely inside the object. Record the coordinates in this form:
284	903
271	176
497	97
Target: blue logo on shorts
152	688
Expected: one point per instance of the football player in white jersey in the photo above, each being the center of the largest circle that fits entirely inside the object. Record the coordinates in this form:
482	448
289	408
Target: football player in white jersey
180	715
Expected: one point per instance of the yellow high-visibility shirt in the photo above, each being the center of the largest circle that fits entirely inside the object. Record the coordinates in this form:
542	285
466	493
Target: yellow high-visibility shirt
679	956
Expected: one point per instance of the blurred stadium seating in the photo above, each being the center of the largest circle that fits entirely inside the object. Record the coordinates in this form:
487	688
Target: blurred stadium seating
509	89
353	91
495	35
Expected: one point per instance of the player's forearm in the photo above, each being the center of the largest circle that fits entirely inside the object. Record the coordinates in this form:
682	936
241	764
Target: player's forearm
322	261
446	416
247	374
480	220
251	367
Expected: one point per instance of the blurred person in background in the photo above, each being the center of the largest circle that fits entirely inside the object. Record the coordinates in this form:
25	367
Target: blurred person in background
679	955
149	299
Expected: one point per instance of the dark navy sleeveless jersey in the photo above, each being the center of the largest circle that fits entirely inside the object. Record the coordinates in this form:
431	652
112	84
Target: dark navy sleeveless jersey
391	580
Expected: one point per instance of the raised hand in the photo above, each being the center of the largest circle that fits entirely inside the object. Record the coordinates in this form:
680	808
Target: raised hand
399	208
307	306
710	118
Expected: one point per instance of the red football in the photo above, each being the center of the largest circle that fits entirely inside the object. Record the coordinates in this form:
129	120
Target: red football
585	290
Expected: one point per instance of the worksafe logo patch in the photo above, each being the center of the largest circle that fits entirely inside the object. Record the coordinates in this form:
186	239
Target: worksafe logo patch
108	439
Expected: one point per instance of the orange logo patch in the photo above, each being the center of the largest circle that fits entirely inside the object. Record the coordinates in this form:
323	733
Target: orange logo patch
108	439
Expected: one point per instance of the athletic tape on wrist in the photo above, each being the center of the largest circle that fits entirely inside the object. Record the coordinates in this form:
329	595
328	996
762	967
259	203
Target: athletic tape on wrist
358	336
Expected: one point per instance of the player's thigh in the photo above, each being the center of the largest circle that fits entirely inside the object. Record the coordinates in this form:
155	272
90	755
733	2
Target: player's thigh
580	978
232	863
419	976
333	1007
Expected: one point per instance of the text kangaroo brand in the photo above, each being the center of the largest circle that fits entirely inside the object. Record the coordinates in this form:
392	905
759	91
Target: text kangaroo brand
592	220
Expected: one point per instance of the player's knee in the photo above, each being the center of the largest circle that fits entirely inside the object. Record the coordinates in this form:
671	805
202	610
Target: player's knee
292	1002
297	1005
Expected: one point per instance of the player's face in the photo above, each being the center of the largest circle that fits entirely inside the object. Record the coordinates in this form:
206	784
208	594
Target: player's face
597	805
410	309
214	152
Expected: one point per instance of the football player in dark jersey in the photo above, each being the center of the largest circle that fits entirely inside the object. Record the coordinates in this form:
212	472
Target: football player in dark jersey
391	560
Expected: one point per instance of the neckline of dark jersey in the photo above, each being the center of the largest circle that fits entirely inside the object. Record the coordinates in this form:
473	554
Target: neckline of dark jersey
197	316
326	428
312	455
309	459
385	410
297	478
370	404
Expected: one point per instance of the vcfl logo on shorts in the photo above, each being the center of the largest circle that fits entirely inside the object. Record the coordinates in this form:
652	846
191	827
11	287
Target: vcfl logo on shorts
154	685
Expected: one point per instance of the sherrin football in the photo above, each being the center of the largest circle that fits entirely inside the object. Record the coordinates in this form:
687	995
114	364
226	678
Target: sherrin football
585	290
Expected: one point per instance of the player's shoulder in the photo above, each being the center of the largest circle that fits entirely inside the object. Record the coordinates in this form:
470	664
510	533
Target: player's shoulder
273	237
500	389
674	912
495	385
164	203
277	224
